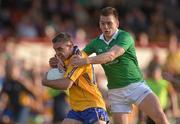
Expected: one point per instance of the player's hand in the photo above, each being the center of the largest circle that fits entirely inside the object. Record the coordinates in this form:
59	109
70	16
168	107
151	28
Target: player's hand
61	65
77	61
53	62
56	62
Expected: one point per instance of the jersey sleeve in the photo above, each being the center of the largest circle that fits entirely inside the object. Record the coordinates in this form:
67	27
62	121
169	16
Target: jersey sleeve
89	48
74	73
125	41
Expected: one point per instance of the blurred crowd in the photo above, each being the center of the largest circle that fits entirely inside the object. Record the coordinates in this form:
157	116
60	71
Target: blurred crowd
159	19
24	100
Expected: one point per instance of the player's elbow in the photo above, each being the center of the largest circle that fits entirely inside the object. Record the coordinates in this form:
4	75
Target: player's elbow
67	85
64	88
43	83
111	56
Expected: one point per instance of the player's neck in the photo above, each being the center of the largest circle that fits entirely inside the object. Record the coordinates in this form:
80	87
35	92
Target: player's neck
107	39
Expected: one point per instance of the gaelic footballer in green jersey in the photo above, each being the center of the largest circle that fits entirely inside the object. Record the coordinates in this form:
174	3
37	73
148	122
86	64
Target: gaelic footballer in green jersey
115	50
124	70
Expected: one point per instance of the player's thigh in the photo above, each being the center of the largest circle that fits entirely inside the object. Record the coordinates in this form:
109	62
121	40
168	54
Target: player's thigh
71	121
120	118
151	106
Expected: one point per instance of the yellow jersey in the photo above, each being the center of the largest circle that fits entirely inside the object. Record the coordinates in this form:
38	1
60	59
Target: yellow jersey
84	92
172	63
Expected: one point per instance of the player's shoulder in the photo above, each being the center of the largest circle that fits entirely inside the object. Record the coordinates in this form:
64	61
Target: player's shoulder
125	36
123	33
84	54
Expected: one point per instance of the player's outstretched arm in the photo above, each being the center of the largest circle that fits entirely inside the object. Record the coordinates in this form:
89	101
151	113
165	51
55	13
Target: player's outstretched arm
108	56
61	84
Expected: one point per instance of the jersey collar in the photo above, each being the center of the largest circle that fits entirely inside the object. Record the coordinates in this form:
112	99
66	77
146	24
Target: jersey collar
113	37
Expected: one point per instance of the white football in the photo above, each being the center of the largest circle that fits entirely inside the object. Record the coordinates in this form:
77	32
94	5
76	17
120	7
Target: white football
54	74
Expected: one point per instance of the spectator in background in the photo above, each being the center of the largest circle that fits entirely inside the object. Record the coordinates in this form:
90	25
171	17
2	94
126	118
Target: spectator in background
171	68
136	21
162	89
80	38
143	39
2	71
13	89
158	18
175	80
26	28
23	94
172	63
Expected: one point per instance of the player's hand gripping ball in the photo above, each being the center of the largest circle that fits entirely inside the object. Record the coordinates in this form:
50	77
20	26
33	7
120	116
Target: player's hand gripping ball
54	74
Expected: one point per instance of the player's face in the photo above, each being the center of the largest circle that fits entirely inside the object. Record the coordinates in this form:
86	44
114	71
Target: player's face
108	25
63	49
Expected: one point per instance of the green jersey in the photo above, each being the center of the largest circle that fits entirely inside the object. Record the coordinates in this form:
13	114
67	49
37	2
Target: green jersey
124	70
160	88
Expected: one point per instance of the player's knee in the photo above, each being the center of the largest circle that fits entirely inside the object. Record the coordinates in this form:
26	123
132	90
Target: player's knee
120	119
160	117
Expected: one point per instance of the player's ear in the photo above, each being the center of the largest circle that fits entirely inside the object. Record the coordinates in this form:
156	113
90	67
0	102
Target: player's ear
71	44
72	48
117	22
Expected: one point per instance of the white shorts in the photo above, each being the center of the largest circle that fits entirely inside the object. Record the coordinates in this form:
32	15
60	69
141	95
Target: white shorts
121	99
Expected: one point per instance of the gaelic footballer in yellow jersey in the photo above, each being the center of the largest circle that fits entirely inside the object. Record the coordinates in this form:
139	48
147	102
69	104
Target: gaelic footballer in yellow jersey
84	93
85	99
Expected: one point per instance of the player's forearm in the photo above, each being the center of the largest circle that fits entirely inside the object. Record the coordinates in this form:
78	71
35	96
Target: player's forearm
101	59
61	84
